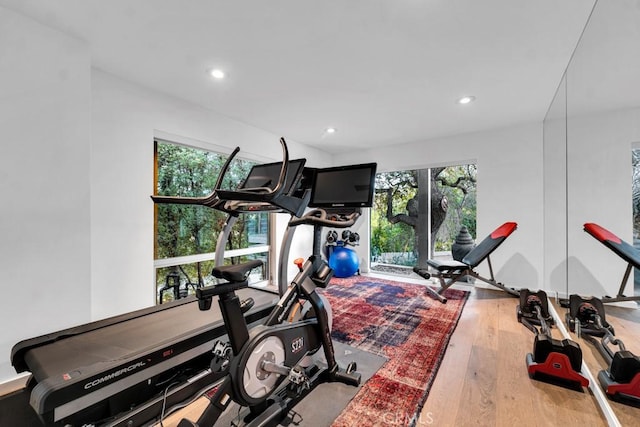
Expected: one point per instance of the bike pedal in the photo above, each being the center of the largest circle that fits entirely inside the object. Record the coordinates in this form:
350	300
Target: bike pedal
221	356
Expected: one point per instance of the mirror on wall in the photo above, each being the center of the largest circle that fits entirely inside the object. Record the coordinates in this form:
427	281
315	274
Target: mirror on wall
555	192
602	110
593	127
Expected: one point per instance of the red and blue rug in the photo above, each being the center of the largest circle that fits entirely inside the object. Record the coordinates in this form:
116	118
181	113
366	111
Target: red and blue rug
402	323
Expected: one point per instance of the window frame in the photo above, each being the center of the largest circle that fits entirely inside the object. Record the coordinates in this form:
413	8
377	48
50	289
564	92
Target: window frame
266	249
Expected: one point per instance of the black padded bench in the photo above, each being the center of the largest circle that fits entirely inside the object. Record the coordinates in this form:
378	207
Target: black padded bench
621	248
448	272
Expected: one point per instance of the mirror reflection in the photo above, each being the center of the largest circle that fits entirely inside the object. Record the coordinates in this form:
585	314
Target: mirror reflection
593	127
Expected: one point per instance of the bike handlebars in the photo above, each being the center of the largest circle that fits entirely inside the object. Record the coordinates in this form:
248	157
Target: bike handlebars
250	199
261	194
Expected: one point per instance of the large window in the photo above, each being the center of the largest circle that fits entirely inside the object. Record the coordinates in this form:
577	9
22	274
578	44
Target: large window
186	235
417	214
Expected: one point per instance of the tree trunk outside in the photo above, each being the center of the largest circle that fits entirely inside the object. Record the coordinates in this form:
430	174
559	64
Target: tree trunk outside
420	215
423	218
439	207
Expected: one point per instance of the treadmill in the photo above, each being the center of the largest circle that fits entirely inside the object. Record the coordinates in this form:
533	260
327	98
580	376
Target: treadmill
125	370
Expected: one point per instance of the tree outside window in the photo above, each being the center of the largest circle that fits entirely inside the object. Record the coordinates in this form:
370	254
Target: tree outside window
398	223
185	230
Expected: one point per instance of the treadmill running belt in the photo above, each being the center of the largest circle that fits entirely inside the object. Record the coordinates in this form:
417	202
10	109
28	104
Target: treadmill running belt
119	341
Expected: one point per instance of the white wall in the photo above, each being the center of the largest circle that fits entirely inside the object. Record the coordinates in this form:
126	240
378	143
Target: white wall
125	119
555	196
599	190
509	189
602	100
44	181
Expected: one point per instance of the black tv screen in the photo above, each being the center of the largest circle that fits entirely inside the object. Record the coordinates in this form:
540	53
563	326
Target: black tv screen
343	186
266	175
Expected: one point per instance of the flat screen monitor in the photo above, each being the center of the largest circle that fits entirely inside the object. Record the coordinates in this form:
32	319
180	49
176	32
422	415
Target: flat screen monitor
266	175
344	186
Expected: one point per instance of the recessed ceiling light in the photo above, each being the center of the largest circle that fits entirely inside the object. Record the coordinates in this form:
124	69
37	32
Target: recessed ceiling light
330	130
217	73
466	99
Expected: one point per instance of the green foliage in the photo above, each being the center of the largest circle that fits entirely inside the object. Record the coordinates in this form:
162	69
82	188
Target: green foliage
385	236
392	238
188	230
462	203
457	183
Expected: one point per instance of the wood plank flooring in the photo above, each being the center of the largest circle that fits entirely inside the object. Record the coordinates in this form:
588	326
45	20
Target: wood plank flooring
483	378
626	323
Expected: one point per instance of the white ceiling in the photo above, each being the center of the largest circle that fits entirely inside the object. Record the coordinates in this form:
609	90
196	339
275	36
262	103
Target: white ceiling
380	71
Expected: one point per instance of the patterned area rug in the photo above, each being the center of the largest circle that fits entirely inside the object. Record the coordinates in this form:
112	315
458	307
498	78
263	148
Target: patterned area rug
401	322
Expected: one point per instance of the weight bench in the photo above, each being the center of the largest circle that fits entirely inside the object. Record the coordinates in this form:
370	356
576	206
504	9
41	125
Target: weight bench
621	248
448	272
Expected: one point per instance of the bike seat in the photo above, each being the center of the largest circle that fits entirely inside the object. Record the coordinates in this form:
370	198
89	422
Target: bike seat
236	272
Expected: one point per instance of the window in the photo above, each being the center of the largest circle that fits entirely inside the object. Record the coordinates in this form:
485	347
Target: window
186	235
398	223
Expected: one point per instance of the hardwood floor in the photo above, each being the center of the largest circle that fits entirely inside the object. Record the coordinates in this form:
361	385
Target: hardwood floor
626	322
191	412
483	377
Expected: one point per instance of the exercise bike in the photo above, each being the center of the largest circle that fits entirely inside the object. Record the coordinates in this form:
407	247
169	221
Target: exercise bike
621	380
268	368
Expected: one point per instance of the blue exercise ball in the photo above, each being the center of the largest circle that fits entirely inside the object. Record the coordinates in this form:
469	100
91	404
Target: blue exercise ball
344	262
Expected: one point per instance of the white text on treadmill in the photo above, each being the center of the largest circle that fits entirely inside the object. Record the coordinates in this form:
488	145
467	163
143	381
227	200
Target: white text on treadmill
113	375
